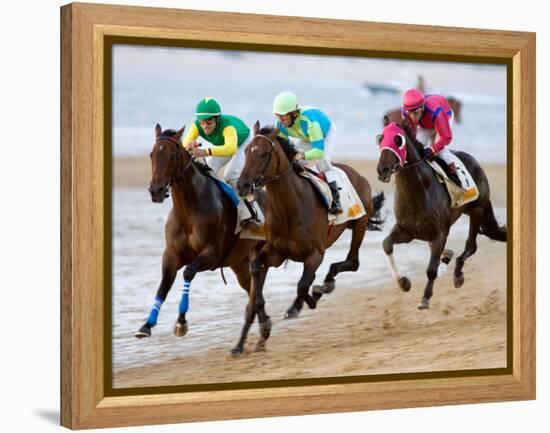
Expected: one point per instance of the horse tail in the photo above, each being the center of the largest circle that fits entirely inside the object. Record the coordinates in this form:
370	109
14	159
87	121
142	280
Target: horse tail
376	222
489	226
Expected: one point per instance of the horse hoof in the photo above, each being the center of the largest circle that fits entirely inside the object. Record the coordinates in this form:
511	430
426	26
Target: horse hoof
144	332
265	328
404	284
260	346
459	281
181	329
293	313
424	304
325	288
447	256
236	352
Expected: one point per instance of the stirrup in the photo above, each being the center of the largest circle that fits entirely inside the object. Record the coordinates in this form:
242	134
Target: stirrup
251	221
336	208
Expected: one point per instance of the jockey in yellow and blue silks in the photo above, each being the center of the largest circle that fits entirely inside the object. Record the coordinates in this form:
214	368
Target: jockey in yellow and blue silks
315	133
229	136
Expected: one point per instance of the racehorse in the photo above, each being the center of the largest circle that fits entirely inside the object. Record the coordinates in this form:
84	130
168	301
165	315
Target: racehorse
296	221
422	205
199	232
395	114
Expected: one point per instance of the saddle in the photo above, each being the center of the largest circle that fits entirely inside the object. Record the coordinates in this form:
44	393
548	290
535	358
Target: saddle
459	195
351	203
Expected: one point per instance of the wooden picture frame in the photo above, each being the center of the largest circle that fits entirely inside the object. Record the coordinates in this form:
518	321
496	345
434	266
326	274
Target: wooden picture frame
87	400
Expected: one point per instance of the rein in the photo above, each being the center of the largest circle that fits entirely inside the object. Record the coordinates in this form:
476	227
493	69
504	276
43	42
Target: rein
262	181
178	173
414	164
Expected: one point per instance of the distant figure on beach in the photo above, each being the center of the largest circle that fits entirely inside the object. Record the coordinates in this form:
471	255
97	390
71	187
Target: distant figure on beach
421	83
430	118
316	136
229	136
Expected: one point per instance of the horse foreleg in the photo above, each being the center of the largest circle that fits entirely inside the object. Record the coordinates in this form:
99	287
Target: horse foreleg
350	264
436	248
397	236
311	264
206	256
244	277
170	266
476	218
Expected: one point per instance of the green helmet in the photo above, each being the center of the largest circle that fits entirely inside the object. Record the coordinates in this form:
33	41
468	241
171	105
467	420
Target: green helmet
285	102
207	107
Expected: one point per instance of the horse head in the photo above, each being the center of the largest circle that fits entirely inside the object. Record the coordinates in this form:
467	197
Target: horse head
264	159
393	149
166	161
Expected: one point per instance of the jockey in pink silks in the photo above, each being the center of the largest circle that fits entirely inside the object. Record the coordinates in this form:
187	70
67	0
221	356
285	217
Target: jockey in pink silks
431	120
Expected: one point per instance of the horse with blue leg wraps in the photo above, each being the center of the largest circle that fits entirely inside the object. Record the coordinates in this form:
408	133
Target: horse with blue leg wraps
199	233
422	205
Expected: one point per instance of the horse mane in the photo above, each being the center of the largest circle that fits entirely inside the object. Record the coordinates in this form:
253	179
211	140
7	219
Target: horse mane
168	133
288	147
201	166
418	146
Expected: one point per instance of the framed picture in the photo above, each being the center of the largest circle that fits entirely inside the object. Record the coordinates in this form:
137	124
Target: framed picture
407	325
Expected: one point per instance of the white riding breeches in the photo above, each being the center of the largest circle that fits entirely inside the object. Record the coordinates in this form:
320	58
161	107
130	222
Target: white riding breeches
233	164
323	165
428	137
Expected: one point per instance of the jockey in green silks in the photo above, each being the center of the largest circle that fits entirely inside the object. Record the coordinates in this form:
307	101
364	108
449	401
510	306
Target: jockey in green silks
229	136
315	133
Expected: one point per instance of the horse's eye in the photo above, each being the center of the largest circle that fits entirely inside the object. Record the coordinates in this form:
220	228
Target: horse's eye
173	158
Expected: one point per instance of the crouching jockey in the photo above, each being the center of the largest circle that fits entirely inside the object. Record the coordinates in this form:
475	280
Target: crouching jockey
315	133
431	119
229	136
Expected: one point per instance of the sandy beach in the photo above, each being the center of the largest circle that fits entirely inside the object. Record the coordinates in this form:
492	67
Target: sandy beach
366	326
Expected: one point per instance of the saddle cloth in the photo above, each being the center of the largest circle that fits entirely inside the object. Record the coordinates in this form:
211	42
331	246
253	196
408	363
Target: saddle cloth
250	232
352	205
459	196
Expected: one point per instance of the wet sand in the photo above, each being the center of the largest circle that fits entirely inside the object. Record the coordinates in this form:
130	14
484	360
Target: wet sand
371	328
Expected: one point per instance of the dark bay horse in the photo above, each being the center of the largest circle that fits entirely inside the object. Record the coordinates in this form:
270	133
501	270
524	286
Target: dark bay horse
422	205
199	232
296	221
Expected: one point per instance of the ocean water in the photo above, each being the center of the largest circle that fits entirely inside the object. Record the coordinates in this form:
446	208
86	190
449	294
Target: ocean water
155	85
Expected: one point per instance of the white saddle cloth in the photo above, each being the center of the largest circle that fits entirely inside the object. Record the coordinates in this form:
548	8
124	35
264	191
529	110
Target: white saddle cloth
352	205
459	196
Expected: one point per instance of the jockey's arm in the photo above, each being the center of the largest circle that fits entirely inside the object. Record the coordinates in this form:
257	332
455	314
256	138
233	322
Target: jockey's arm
317	140
229	147
192	135
444	133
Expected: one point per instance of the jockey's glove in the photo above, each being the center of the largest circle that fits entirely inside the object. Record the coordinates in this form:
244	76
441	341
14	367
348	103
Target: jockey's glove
428	153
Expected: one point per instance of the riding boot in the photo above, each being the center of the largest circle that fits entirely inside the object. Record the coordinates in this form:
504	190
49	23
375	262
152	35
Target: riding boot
453	175
254	220
336	207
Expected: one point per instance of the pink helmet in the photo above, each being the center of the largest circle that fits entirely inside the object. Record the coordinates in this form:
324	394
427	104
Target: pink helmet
413	99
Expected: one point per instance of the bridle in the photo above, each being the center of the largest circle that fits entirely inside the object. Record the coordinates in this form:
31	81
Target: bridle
262	180
178	173
406	165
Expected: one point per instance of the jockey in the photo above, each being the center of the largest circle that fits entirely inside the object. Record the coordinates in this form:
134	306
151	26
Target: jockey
431	119
316	134
229	136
